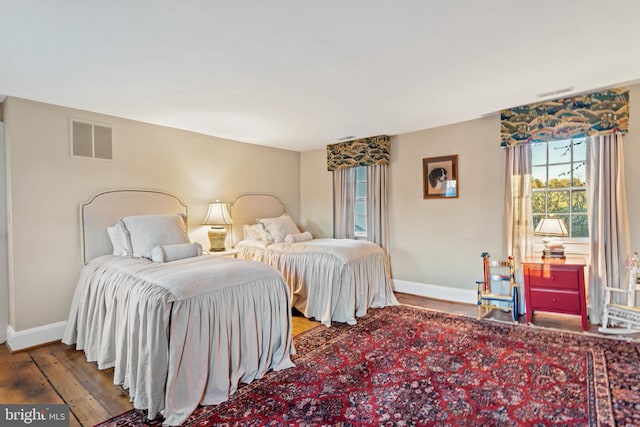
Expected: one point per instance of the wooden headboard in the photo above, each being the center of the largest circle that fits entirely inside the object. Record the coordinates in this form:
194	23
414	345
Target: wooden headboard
104	209
246	208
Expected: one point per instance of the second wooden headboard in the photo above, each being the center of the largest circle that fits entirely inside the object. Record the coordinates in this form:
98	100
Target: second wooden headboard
248	207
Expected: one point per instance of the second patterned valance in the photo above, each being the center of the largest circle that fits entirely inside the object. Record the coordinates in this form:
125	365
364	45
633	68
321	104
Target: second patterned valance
596	113
359	152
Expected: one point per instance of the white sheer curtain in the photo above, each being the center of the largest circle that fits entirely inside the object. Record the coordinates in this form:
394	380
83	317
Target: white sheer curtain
608	219
343	199
344	191
518	212
377	205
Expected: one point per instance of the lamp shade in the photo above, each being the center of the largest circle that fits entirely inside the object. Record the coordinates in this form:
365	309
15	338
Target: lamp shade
551	227
218	214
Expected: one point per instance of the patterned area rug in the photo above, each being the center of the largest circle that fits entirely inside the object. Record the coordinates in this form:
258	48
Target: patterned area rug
408	366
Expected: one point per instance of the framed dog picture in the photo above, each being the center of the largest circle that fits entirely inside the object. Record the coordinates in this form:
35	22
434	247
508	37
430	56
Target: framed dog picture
440	177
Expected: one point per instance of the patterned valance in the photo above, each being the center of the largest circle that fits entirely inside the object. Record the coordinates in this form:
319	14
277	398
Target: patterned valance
596	113
359	152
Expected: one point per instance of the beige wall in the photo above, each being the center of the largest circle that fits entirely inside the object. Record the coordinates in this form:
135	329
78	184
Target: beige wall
439	242
316	189
632	169
46	186
436	241
4	304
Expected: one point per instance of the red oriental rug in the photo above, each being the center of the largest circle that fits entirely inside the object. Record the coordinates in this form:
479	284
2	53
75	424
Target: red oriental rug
408	366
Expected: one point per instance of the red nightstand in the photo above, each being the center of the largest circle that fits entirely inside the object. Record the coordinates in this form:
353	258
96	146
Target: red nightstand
555	285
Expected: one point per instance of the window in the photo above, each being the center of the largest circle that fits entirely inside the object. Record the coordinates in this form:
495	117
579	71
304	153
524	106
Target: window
360	203
559	183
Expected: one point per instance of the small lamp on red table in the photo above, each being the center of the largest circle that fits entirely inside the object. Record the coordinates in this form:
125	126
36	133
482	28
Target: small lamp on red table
553	229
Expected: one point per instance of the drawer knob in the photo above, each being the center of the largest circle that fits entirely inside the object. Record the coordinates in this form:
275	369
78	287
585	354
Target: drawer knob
552	278
554	300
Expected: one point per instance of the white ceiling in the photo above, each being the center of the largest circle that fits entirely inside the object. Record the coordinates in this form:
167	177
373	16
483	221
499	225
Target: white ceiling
299	74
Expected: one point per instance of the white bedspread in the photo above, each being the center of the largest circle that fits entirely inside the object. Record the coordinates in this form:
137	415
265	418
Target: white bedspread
329	279
181	333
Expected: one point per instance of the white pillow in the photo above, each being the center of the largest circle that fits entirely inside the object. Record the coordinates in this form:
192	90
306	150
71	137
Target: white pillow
252	244
279	227
255	232
168	253
145	232
119	240
300	237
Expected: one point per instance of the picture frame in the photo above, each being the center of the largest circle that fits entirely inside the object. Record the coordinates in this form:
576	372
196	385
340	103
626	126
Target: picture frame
440	177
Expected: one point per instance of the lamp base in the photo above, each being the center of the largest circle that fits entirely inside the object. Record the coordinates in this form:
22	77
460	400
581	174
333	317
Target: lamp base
217	237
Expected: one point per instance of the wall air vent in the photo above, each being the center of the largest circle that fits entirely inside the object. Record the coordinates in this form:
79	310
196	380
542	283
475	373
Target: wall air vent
90	140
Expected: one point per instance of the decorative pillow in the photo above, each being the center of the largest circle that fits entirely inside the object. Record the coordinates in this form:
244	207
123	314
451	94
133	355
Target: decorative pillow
119	240
300	237
252	244
279	227
145	232
168	253
255	232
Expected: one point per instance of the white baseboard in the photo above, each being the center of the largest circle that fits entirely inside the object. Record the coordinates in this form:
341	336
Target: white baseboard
34	336
3	335
466	296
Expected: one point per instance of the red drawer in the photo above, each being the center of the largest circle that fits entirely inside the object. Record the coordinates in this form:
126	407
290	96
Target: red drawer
553	279
555	286
562	302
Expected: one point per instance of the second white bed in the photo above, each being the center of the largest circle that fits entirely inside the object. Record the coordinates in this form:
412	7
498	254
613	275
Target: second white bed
329	279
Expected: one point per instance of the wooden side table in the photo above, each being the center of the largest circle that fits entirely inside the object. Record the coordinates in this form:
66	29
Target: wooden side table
555	285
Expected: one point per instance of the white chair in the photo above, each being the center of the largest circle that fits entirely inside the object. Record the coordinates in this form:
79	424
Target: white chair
623	318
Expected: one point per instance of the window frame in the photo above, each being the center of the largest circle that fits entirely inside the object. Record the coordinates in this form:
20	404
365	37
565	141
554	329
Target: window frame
571	189
360	179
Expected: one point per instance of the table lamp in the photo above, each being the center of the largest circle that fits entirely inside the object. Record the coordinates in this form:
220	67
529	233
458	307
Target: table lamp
217	217
553	228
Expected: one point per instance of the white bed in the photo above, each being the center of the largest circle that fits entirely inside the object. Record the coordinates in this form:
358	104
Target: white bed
329	279
177	333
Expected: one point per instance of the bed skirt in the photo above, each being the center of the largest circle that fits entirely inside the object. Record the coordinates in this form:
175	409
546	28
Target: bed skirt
172	354
328	287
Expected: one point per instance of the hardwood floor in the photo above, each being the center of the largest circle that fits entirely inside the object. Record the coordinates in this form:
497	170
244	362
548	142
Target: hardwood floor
58	374
546	320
